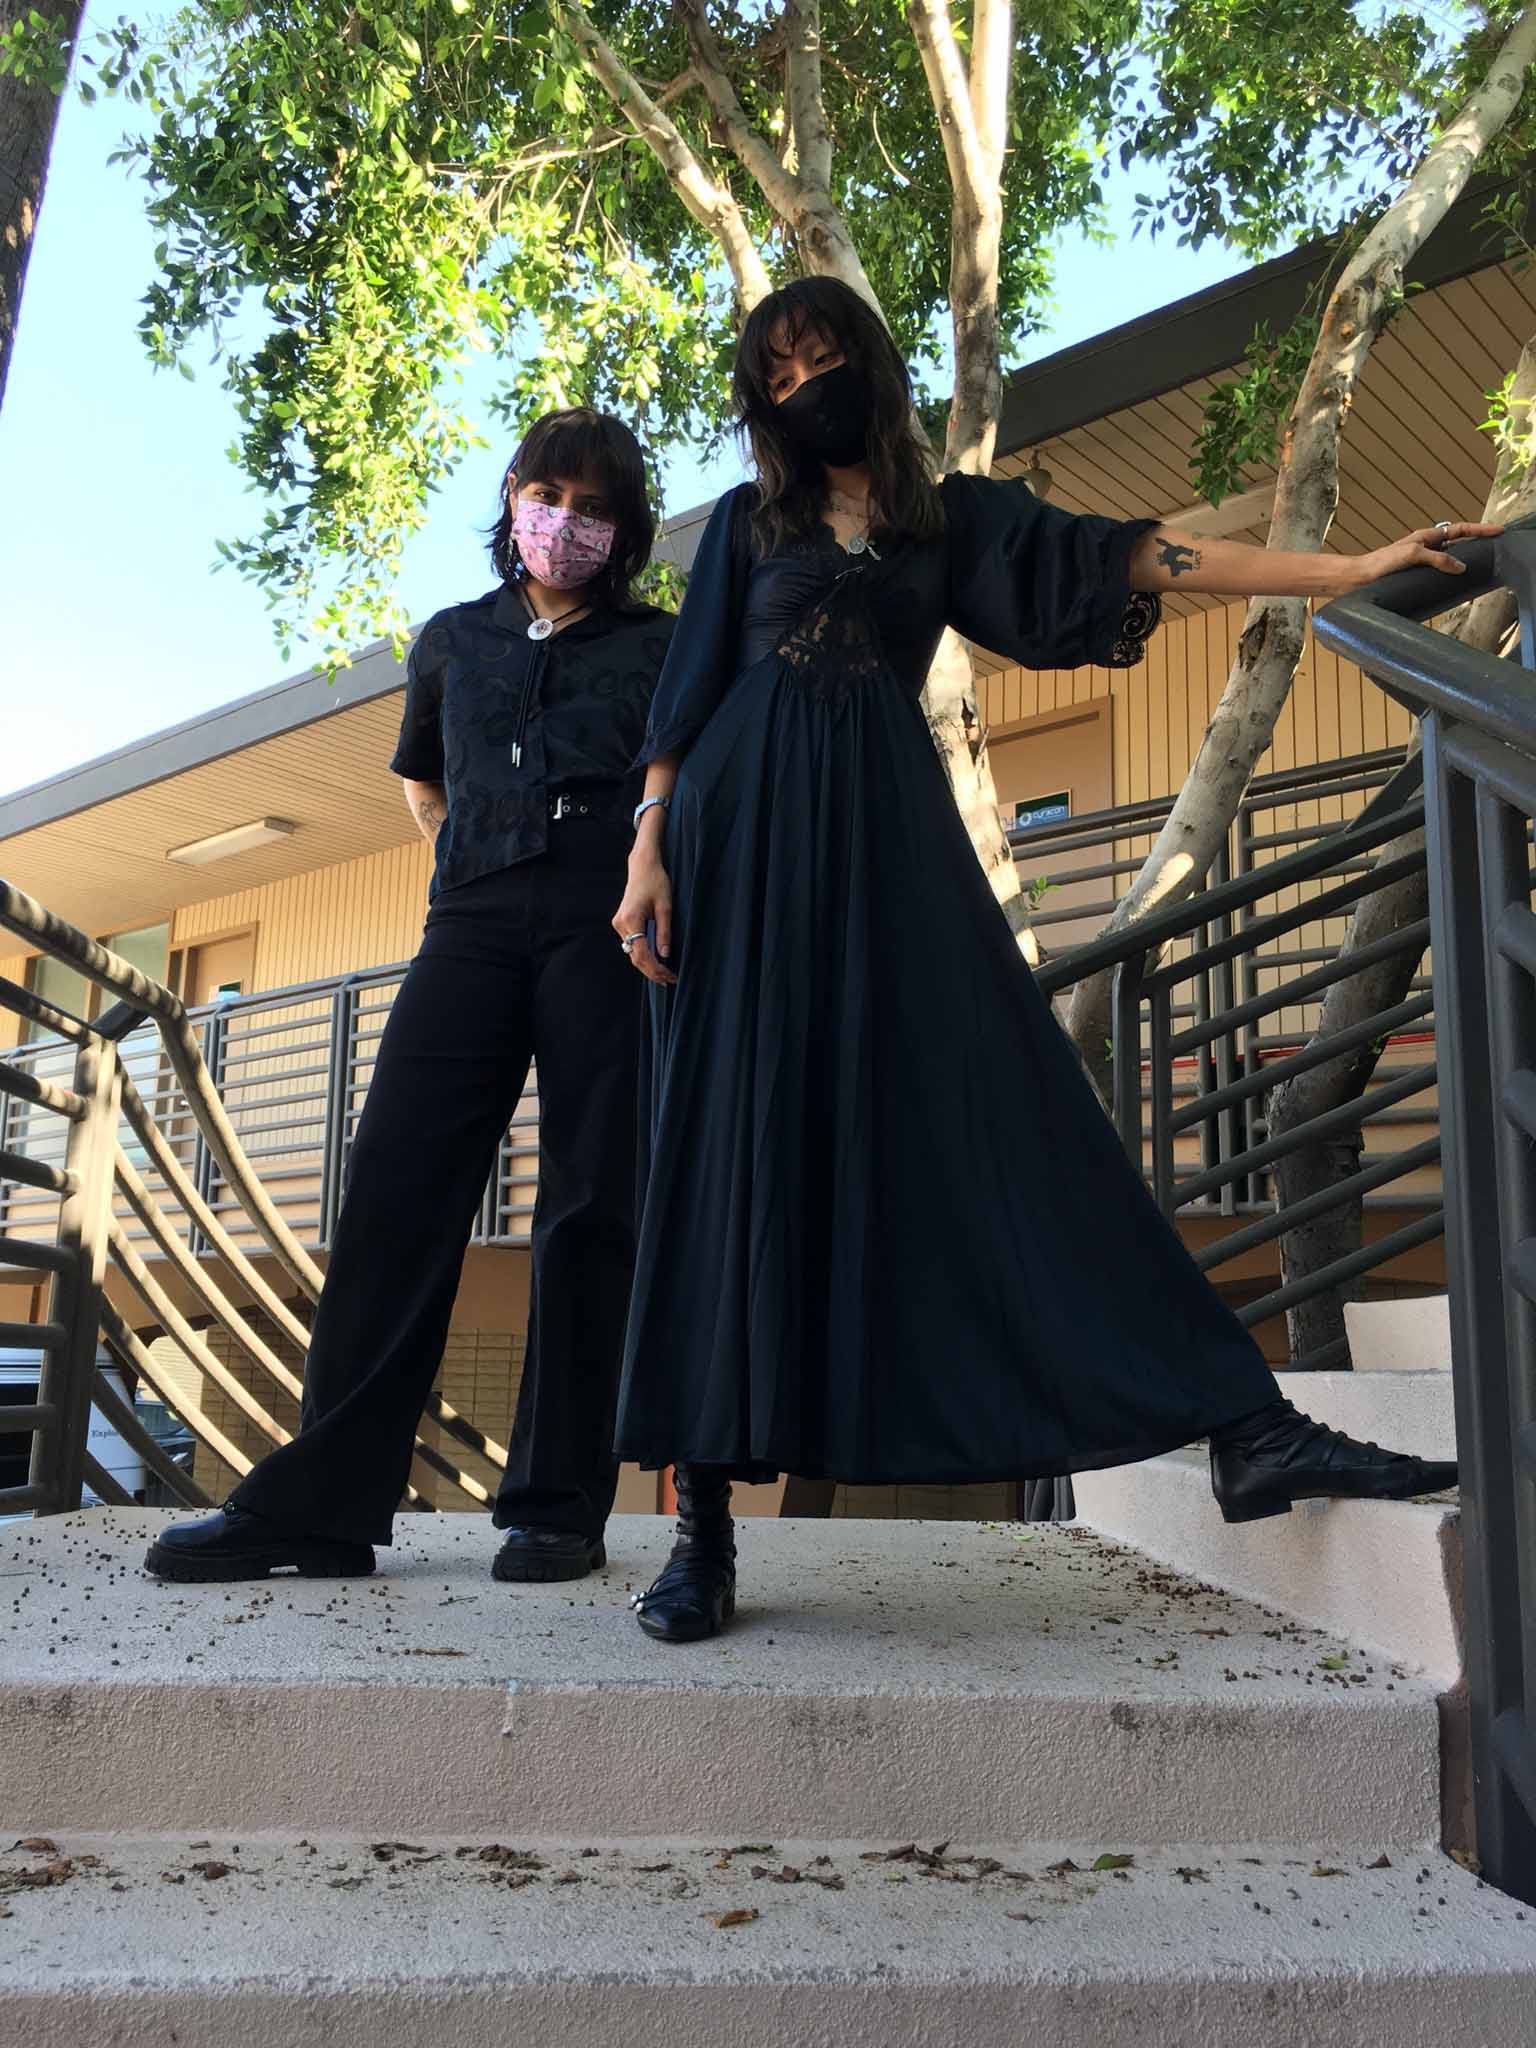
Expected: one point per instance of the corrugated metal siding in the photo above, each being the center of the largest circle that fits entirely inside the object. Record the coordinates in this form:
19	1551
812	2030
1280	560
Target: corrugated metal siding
362	913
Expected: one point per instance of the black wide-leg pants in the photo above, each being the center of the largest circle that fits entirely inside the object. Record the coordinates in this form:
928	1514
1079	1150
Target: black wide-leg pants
516	965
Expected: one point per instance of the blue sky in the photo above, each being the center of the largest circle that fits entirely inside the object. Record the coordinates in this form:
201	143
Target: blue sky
118	483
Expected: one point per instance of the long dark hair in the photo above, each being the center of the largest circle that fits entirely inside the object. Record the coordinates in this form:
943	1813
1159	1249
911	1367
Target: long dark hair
791	486
602	451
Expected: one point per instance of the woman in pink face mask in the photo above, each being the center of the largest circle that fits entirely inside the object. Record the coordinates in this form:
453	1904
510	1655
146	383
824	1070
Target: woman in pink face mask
525	711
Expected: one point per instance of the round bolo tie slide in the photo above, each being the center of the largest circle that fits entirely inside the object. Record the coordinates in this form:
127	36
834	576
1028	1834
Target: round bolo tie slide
540	629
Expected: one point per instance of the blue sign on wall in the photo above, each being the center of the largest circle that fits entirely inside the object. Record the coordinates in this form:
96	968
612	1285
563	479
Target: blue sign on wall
1043	810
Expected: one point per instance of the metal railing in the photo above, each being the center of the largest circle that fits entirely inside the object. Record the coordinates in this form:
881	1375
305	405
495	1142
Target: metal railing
129	1165
1217	1000
292	1067
1479	726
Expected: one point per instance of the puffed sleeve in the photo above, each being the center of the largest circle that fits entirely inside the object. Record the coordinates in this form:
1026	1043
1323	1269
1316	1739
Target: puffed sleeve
702	657
1043	587
419	754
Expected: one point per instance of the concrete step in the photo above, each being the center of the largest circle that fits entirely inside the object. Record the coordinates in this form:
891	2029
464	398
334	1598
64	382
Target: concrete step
885	1679
1383	1574
1410	1411
431	1943
1400	1336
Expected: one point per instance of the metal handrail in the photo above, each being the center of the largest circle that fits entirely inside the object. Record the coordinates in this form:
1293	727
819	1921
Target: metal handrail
89	1235
1478	715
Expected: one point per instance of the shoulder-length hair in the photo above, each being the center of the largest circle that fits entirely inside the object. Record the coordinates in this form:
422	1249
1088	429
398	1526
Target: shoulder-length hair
601	451
791	490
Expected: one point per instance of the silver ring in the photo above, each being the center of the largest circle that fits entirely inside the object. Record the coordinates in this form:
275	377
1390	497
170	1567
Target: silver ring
1443	525
630	942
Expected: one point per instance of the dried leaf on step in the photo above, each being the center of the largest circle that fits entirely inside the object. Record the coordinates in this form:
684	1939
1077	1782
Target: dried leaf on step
212	1870
1062	1869
39	1845
1383	1863
1338	1662
1327	1870
751	1849
1110	1862
739	1916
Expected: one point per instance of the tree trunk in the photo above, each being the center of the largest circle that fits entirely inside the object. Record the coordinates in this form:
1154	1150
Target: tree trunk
970	103
1306	495
1313	1324
28	116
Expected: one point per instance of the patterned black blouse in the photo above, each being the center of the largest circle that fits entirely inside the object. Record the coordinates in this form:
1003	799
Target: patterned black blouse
505	722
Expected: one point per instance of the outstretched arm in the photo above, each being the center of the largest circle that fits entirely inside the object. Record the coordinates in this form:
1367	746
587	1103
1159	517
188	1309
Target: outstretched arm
1168	560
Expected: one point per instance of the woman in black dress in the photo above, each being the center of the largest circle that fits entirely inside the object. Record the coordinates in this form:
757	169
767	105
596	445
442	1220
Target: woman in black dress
889	1234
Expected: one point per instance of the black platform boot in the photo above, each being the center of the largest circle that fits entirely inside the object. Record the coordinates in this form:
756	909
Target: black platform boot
236	1543
695	1594
1263	1463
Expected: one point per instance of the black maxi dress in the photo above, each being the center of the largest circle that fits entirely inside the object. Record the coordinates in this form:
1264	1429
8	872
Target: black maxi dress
889	1234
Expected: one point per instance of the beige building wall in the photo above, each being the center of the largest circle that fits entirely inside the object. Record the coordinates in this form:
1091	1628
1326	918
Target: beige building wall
14	968
362	913
1161	709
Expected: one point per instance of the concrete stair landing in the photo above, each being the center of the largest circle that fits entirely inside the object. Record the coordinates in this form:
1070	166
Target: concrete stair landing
424	1810
885	1678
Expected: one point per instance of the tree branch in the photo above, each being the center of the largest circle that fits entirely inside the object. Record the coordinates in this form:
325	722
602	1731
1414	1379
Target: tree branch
991	75
825	243
803	99
950	90
972	111
782	189
712	205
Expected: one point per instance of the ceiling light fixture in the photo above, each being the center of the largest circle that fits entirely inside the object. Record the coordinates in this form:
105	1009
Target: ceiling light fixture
198	853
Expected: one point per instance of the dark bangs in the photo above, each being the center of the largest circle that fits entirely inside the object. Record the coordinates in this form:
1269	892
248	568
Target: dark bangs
791	485
600	450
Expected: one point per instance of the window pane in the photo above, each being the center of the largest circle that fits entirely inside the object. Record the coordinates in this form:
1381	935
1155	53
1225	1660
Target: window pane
144	948
56	983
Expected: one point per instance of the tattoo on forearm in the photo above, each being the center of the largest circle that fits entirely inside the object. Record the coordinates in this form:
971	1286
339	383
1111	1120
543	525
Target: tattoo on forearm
1175	557
430	816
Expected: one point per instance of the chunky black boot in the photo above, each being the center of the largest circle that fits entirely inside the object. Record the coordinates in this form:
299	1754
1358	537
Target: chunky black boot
540	1557
1260	1465
695	1594
238	1544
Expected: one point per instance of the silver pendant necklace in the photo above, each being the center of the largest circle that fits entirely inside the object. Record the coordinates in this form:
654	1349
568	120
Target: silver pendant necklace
540	628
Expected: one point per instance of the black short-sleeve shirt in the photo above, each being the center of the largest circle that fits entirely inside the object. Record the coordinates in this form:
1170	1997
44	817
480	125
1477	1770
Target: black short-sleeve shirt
505	722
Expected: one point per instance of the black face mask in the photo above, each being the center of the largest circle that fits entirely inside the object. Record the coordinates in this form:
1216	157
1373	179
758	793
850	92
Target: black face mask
828	416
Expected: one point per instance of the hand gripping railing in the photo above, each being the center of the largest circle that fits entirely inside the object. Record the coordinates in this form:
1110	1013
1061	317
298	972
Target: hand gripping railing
1479	728
94	1170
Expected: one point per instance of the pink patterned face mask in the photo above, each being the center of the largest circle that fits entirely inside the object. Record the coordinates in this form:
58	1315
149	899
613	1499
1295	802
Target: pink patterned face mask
560	548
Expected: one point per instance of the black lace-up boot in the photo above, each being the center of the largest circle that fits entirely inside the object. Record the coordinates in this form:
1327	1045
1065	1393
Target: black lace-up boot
695	1594
1263	1463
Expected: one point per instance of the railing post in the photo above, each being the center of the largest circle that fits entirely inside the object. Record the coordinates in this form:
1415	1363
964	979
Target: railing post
204	1166
1161	1069
338	1093
69	1370
1125	1054
1506	1837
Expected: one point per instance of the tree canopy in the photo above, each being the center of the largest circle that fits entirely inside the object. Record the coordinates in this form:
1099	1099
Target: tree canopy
356	198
